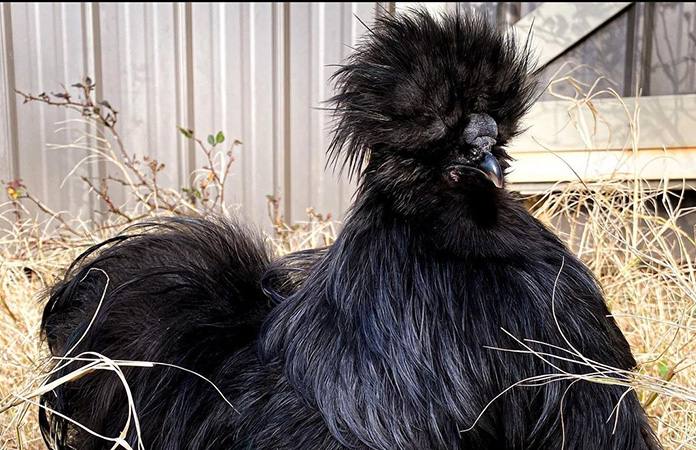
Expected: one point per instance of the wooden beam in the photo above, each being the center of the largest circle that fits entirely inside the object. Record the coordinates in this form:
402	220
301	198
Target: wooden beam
665	120
646	163
553	149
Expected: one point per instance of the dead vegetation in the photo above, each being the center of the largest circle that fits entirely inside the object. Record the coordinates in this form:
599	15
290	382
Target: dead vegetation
628	230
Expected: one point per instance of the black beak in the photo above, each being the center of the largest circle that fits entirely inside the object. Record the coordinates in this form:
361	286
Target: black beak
484	163
491	168
481	133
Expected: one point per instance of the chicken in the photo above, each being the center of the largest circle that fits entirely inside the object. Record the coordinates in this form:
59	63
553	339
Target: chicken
444	316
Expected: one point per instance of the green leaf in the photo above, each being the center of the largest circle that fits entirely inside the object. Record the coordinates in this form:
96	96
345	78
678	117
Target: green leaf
186	132
662	368
220	138
211	139
271	197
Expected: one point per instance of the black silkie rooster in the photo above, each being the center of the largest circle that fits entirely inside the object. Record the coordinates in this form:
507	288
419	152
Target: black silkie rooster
405	334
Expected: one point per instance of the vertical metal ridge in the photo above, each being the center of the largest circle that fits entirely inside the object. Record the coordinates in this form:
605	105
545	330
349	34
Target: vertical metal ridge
60	36
98	72
287	192
630	48
278	104
507	14
253	196
383	9
646	50
37	35
247	101
149	47
10	84
180	94
190	87
92	61
317	43
123	12
157	79
185	111
345	33
222	70
311	192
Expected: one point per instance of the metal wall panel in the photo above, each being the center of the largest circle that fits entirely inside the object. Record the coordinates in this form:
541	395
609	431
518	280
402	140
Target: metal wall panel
327	30
7	101
235	72
48	53
137	54
257	72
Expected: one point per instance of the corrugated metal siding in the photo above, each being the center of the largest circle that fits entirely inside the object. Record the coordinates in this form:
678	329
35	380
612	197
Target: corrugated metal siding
258	72
48	48
327	30
135	47
237	66
7	117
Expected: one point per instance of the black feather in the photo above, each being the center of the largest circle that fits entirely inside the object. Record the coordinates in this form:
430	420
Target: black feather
412	331
182	292
413	81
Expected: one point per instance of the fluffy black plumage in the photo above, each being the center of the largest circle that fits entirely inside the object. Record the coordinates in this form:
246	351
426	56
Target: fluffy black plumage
390	338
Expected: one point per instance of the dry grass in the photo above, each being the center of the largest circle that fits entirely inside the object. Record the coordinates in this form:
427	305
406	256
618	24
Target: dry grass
626	229
31	260
631	232
27	267
628	233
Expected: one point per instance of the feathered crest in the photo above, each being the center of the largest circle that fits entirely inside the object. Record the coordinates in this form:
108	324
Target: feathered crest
414	78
